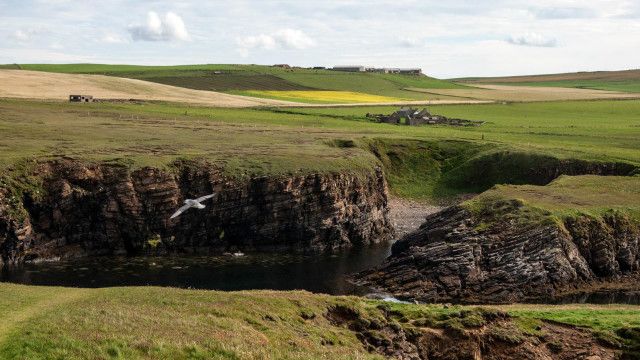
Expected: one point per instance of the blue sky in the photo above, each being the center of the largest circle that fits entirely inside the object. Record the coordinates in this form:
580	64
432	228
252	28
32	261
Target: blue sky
446	38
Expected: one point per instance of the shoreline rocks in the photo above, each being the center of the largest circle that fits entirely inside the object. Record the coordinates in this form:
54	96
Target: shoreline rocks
455	257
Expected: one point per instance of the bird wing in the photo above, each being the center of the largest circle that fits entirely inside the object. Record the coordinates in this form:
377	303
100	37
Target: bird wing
180	211
203	198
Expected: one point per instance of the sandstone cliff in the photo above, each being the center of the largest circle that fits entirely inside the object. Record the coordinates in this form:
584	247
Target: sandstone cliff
102	209
461	256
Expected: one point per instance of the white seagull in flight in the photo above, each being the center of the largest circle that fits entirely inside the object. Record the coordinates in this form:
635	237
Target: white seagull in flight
191	203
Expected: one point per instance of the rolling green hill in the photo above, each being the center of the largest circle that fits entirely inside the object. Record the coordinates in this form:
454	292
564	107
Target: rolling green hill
239	78
624	81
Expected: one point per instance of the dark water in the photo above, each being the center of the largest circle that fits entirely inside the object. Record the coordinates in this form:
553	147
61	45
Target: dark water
320	273
323	273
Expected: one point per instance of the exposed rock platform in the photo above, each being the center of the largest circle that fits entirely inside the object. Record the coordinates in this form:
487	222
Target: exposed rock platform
461	256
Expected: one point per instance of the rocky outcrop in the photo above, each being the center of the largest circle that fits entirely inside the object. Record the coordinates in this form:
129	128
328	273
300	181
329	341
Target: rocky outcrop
455	256
101	209
470	334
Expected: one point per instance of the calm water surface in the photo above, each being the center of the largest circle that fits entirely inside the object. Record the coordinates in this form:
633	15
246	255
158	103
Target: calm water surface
317	273
323	273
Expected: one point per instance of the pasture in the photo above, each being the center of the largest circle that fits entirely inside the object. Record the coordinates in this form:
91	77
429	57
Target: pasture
523	93
151	322
421	162
571	195
321	96
621	81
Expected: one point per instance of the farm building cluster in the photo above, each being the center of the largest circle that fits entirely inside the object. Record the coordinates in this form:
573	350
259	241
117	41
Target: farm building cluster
360	68
413	117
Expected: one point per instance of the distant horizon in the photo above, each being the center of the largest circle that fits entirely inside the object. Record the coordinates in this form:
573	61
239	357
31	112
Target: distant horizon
424	72
456	39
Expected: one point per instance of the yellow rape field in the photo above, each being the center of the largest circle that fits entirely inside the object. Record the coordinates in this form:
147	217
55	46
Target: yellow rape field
322	96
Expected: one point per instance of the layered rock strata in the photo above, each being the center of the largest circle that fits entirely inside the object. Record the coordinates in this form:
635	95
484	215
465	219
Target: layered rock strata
456	257
101	209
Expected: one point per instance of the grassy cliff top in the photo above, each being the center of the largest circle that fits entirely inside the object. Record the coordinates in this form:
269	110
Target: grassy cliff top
151	133
149	322
566	196
301	140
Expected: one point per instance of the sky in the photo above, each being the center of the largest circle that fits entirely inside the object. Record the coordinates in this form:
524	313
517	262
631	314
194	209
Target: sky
453	38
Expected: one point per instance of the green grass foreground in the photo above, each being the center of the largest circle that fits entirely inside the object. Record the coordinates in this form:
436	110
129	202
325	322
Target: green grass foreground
151	322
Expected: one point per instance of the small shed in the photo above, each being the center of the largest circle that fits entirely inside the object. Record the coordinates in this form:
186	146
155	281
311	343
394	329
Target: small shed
349	68
81	98
410	71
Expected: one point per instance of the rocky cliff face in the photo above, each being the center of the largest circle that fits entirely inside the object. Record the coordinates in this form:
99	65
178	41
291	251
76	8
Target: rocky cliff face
455	257
99	209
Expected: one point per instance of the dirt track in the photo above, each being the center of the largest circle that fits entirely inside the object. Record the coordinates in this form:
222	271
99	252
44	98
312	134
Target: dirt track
55	86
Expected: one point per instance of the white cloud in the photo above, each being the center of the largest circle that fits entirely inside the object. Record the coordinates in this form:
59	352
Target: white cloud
261	41
293	39
361	32
281	39
410	41
532	39
113	39
24	35
565	13
168	28
627	11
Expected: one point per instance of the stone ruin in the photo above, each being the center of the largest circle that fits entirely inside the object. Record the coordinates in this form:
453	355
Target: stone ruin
81	98
413	117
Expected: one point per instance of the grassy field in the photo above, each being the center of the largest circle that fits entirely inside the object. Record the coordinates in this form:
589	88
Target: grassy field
312	86
521	93
421	162
231	78
148	322
595	130
629	86
425	162
588	194
320	96
623	81
567	197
